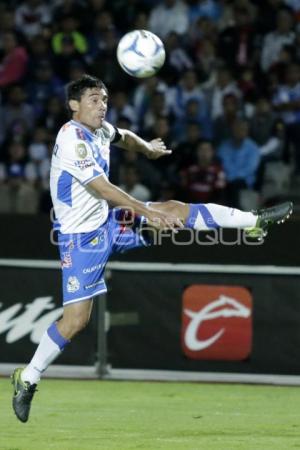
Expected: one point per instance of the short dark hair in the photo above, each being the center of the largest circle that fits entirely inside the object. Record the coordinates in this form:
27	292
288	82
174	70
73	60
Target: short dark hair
76	89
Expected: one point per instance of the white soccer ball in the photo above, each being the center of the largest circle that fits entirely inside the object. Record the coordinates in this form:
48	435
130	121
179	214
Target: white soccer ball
141	53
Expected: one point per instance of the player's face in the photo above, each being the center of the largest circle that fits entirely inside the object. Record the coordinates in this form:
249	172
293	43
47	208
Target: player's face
92	108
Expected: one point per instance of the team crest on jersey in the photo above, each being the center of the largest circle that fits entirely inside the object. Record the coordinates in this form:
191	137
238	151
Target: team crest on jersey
73	284
81	150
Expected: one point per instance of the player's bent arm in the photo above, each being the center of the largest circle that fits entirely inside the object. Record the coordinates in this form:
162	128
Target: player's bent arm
117	197
132	142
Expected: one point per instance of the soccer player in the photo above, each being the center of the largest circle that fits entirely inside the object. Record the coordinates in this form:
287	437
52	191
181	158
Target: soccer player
89	230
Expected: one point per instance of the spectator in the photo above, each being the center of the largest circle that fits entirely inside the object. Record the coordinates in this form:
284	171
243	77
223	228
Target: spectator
102	23
195	112
177	58
187	89
7	25
14	61
223	124
149	175
43	85
55	115
204	8
162	129
204	181
37	150
144	92
267	17
31	15
157	108
17	192
67	57
38	167
225	84
184	152
203	28
206	63
83	12
39	52
17	115
131	184
237	42
263	130
69	32
287	102
125	13
240	158
120	107
276	40
171	15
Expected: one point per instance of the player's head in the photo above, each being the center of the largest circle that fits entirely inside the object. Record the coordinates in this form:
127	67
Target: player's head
87	101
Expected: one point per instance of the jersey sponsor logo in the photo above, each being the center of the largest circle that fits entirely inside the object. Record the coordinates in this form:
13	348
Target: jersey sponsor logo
84	163
217	322
92	269
73	284
81	150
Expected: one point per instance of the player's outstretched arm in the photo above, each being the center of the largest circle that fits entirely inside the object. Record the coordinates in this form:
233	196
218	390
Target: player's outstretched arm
117	197
132	142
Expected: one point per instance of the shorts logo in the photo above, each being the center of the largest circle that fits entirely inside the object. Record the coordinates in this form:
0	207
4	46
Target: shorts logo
217	322
73	284
81	150
66	261
90	286
94	241
92	269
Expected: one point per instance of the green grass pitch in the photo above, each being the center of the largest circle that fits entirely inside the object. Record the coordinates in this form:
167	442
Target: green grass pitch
81	415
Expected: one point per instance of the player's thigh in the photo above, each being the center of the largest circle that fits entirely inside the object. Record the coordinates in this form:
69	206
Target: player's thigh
178	209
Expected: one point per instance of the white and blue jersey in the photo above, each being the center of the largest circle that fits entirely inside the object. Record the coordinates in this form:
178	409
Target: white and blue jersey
79	156
88	232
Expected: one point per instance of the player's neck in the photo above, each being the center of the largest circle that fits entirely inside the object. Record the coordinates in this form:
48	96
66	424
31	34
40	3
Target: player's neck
75	119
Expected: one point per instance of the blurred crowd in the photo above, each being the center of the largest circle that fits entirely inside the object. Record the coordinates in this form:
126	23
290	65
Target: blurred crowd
227	101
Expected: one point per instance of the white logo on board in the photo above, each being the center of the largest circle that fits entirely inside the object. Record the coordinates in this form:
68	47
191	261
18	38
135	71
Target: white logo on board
33	321
210	312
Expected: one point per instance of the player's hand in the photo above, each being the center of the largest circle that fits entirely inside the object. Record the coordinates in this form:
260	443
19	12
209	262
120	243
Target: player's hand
162	220
156	149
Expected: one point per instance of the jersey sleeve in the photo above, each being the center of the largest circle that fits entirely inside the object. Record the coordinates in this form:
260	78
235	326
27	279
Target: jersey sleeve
78	160
111	132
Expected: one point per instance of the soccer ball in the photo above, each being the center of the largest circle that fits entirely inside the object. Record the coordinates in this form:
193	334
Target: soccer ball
141	53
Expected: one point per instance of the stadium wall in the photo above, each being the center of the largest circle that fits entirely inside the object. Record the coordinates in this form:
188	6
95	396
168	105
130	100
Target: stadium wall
147	303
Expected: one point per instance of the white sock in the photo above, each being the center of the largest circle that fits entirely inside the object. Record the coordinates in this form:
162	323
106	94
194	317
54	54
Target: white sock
210	215
49	348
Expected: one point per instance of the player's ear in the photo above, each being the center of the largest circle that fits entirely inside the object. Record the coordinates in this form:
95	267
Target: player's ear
74	105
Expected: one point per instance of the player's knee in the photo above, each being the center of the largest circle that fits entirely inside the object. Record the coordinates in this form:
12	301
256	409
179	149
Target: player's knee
78	322
173	206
